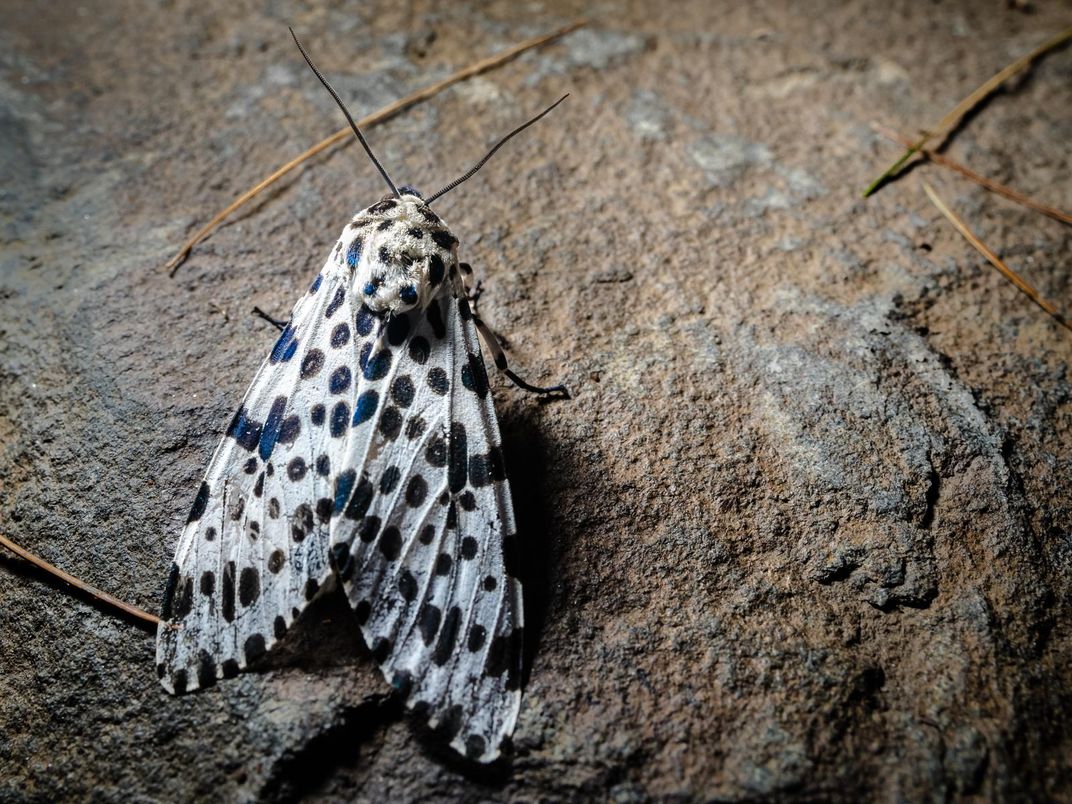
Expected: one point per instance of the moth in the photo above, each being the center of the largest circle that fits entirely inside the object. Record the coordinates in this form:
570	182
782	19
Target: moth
366	453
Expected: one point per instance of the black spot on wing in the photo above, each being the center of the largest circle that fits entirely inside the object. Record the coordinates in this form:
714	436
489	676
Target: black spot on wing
364	320
402	391
166	610
360	501
436	451
477	635
475	376
416	491
200	503
340	380
436	269
244	430
335	303
249	586
342	561
289	430
340	336
437	380
390	543
479	471
390	422
389	479
398	329
340	418
272	425
206	669
254	648
419	349
311	363
435	319
457	457
429	622
407	585
368	529
227	605
415	427
448	635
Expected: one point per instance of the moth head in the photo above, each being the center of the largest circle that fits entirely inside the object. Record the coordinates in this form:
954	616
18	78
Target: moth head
400	253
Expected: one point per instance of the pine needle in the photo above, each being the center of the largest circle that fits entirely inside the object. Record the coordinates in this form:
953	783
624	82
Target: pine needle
386	113
92	591
990	184
952	120
994	259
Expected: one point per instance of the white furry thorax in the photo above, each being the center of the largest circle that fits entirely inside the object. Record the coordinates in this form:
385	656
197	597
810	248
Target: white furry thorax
400	254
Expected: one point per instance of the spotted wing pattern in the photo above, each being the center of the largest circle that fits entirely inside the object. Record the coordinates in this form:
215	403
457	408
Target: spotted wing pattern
366	449
254	550
425	547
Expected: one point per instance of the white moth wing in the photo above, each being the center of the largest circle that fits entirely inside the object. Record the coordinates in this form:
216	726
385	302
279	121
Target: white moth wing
255	548
425	547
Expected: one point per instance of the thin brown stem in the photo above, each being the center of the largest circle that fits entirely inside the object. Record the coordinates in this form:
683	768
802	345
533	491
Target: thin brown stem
994	259
386	113
92	591
952	120
990	184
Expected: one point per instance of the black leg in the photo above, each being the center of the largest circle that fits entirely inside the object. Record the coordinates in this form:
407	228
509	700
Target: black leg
275	322
502	365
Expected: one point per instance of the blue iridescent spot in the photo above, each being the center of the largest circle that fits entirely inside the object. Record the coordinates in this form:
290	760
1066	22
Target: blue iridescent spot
270	433
365	407
378	365
313	288
353	254
285	347
364	320
370	289
408	294
344	484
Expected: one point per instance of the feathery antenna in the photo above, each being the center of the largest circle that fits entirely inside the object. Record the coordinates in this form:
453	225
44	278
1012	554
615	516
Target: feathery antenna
349	119
496	147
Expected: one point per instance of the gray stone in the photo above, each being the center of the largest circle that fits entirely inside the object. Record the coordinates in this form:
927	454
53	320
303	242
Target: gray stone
802	532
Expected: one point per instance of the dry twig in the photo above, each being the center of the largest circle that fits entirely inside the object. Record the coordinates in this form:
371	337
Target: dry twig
994	259
92	591
952	120
990	184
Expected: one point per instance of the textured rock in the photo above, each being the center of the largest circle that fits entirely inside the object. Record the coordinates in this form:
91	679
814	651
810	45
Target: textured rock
801	534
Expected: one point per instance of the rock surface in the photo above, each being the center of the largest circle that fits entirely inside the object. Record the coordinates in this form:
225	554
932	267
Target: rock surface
803	531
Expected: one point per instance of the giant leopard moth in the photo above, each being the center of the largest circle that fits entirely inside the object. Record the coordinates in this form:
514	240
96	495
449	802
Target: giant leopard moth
366	452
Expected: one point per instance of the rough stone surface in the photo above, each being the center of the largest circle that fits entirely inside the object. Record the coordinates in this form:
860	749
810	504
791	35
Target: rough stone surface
801	534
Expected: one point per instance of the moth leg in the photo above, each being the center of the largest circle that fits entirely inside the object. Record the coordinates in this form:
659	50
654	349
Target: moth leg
275	322
499	356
